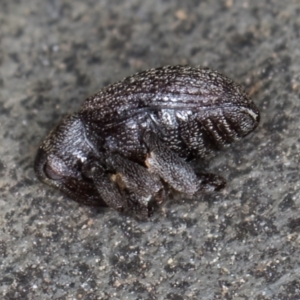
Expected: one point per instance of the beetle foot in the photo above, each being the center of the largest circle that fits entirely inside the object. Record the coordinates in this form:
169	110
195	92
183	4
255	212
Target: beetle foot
211	182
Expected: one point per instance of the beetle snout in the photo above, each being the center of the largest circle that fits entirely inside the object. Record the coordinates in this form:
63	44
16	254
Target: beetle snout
40	163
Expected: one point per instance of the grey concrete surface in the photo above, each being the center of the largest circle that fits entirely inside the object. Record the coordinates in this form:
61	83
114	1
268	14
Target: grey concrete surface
241	243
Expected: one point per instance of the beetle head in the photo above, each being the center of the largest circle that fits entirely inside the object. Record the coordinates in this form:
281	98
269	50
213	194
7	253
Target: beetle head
61	157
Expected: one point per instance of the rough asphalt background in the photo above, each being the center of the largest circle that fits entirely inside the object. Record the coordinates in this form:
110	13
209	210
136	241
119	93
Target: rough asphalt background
241	243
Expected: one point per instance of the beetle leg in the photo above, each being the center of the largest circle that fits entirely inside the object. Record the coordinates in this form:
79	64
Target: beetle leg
134	176
211	182
140	206
105	187
131	187
176	171
141	185
169	166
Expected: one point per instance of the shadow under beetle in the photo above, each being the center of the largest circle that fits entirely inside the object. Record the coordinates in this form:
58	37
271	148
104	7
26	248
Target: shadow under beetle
137	136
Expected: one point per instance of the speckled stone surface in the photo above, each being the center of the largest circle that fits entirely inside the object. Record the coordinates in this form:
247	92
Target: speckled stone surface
241	243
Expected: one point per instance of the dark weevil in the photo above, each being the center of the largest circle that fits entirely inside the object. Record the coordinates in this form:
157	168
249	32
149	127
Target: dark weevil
137	136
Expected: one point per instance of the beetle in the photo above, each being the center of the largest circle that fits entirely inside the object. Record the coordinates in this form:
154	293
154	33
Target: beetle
134	139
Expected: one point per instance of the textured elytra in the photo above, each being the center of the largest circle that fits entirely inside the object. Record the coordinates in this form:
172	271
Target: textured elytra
137	136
